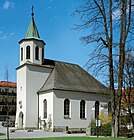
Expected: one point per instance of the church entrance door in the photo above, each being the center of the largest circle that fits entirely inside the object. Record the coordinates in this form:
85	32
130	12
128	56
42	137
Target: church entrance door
21	120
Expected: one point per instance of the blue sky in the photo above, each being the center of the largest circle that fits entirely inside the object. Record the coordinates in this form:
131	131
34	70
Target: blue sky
54	22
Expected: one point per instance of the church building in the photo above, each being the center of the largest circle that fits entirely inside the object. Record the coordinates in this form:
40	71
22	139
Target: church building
54	95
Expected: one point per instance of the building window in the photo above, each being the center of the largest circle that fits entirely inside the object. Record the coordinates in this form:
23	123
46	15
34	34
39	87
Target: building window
82	109
6	90
42	55
45	108
66	108
97	110
37	53
21	54
28	52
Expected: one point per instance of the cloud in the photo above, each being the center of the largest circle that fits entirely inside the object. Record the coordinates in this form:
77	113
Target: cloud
4	36
11	34
8	4
49	8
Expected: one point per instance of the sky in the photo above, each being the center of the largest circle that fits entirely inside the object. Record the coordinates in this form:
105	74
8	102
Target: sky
54	22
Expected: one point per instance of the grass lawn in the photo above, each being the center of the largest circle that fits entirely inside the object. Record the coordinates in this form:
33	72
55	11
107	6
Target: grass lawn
1	134
77	138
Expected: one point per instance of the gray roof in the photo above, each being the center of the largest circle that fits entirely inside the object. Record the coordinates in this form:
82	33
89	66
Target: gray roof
66	76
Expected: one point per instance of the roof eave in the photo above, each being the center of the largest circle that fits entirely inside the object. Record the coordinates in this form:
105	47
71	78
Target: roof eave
104	93
30	39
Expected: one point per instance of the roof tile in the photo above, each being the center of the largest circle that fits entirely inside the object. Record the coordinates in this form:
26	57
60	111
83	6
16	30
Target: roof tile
7	84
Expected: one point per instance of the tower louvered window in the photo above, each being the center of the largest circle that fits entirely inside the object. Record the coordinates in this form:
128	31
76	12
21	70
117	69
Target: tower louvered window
21	54
28	52
42	55
37	53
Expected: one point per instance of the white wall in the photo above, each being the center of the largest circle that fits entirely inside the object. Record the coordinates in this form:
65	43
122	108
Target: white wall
55	103
21	93
75	98
49	98
32	44
30	79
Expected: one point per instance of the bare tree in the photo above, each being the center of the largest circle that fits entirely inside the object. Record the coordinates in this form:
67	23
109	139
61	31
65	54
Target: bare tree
7	78
128	84
108	24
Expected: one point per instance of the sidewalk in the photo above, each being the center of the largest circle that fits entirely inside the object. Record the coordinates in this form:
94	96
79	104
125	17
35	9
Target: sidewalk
37	134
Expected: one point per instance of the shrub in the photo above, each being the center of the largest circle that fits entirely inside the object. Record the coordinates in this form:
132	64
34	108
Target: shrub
104	130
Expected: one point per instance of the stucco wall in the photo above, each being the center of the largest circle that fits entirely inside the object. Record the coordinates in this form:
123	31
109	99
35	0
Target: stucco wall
75	98
49	98
21	93
55	107
30	79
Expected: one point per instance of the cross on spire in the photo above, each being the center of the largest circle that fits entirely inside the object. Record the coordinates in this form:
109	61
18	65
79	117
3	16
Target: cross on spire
32	11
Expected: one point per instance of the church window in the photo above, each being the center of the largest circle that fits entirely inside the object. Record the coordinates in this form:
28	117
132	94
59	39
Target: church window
96	110
37	53
28	52
45	108
42	55
82	109
66	108
21	54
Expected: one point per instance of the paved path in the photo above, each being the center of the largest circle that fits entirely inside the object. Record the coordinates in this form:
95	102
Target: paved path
34	134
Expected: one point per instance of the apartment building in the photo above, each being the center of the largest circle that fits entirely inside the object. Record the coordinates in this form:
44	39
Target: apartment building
7	100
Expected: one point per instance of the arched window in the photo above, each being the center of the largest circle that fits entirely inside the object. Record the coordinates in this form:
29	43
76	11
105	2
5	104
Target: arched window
21	54
82	109
28	52
97	110
37	53
45	108
42	55
66	108
21	116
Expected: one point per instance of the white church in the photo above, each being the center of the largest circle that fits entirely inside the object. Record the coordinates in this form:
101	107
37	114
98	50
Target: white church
54	95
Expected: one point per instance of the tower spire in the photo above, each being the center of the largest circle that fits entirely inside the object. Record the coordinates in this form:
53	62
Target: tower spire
32	11
32	31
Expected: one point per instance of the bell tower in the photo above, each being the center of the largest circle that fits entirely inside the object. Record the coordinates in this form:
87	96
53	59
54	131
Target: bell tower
32	47
31	75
